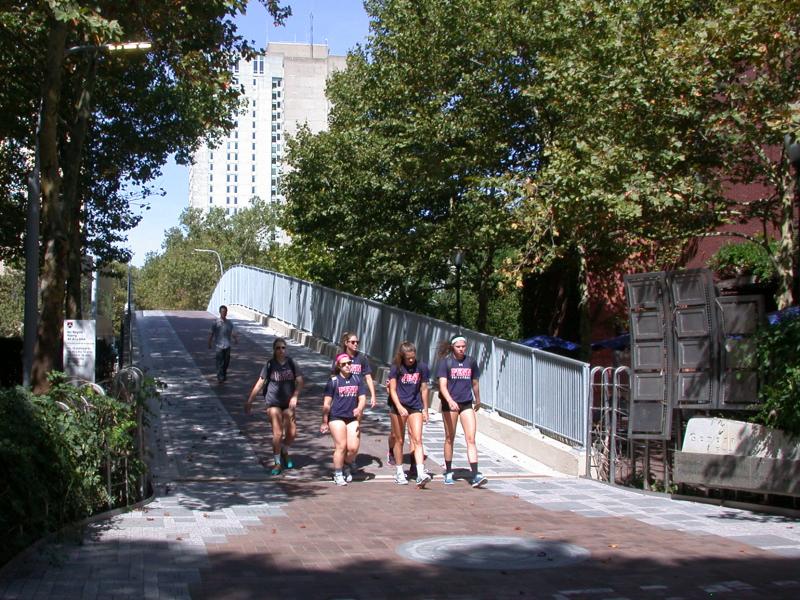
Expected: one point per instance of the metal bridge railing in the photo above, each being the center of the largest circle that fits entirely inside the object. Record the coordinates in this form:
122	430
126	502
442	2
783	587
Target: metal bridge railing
534	387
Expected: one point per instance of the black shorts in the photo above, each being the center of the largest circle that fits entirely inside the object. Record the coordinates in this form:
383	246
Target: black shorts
411	411
462	406
347	420
282	405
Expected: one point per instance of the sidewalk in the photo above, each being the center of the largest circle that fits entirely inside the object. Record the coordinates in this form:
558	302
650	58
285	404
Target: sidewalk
222	527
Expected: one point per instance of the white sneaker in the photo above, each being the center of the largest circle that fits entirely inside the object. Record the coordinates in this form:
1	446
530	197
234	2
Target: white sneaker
348	474
400	479
339	479
423	480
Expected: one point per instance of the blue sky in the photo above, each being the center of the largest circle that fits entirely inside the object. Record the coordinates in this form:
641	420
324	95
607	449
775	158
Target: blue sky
340	23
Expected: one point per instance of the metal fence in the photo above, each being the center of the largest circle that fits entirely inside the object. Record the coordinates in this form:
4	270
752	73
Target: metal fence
534	387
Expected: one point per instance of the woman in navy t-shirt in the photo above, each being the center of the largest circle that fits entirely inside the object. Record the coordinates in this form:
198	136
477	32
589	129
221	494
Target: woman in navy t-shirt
343	403
460	394
408	395
283	381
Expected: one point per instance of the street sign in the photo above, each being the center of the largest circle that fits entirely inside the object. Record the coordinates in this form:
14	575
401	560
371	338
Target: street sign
79	348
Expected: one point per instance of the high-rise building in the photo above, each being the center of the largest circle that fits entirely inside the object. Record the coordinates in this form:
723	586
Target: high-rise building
284	89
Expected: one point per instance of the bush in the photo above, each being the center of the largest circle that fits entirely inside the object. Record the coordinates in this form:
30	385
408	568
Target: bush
54	451
746	258
777	357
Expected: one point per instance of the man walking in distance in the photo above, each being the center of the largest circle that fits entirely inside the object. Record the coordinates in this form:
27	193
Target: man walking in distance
221	335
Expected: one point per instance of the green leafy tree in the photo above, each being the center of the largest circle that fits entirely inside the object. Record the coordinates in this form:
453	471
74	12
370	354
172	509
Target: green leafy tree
182	278
182	91
648	112
12	284
426	118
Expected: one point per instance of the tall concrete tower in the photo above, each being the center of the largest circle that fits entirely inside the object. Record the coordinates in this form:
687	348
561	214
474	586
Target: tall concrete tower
284	89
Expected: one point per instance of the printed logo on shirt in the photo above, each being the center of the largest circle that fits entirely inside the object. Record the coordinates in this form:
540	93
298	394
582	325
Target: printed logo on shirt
355	368
348	390
461	373
283	375
410	378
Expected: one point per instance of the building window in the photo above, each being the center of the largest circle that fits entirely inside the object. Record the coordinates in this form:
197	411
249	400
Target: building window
210	189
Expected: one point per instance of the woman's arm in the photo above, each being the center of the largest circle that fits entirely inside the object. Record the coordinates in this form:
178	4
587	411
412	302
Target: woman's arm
256	389
326	411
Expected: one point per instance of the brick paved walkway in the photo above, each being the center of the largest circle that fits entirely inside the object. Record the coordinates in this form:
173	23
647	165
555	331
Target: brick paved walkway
221	527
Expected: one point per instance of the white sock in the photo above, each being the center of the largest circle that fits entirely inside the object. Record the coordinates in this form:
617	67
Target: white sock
277	459
420	470
400	470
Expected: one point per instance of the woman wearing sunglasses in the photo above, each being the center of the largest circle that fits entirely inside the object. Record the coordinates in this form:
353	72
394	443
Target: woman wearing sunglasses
343	403
283	381
408	393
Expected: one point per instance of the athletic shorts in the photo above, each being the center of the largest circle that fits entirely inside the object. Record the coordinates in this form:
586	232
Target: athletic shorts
347	420
282	405
411	411
462	406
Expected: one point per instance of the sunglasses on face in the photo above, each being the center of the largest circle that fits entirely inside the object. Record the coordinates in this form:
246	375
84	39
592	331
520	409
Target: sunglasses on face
355	341
280	347
346	363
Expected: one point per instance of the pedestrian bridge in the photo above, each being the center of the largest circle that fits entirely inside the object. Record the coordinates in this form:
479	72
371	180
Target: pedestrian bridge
536	390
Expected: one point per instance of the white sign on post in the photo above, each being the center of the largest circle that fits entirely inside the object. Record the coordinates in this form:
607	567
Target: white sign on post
79	348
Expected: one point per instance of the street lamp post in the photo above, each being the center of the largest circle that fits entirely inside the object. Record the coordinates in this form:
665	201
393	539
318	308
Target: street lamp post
219	260
31	317
458	260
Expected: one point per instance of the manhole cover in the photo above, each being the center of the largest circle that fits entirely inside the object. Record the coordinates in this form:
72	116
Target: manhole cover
492	553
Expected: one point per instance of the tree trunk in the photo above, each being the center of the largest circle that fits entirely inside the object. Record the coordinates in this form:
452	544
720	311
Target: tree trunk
485	286
786	264
73	207
47	352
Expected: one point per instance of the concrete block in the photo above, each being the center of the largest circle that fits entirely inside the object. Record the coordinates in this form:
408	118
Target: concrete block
739	438
746	473
381	375
737	455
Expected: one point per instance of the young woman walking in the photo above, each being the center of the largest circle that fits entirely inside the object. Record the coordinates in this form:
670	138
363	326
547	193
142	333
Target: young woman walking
350	345
283	381
408	393
343	403
460	393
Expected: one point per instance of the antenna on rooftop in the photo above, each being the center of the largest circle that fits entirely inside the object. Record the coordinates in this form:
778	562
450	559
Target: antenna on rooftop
311	21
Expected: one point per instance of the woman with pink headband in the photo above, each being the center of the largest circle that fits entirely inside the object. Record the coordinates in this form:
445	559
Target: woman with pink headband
460	394
344	401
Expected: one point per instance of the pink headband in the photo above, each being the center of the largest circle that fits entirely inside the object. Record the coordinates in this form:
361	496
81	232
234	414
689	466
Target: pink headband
341	356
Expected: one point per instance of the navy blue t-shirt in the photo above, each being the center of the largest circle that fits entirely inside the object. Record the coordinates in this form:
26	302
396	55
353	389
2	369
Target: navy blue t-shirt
359	367
409	383
345	393
459	376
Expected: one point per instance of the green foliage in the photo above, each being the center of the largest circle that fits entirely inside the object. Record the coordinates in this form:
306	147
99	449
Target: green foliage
425	119
181	278
777	358
12	302
53	455
747	258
